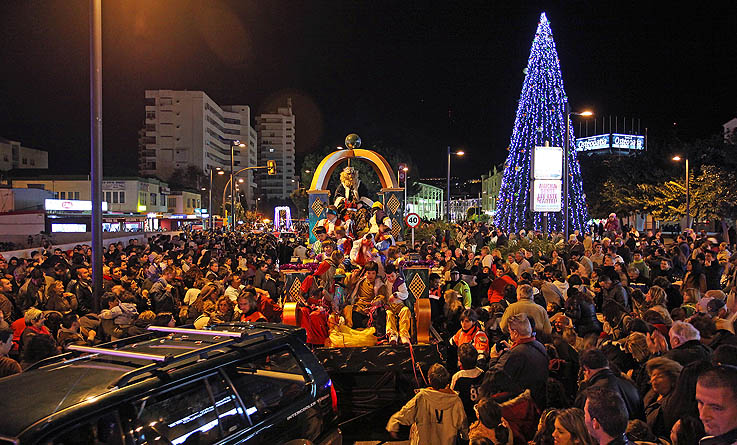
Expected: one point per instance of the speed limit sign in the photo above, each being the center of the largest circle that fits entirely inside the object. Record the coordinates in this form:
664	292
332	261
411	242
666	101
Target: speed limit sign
412	220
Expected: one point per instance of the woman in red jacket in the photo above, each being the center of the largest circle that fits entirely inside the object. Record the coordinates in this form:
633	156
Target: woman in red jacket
503	279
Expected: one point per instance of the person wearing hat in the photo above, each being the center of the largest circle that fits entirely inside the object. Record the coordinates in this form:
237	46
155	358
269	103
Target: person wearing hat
457	284
330	221
321	234
379	218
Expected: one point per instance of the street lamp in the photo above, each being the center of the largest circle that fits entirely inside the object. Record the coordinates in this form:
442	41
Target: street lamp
232	200
405	169
209	199
565	163
457	153
688	192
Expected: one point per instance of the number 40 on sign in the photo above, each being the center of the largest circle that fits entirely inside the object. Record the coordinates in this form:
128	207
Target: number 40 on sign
412	220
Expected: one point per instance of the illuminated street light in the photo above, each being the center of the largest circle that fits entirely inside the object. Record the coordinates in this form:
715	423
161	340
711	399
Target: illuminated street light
678	158
565	163
447	200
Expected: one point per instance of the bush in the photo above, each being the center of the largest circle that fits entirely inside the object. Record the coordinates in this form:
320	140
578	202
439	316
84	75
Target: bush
538	247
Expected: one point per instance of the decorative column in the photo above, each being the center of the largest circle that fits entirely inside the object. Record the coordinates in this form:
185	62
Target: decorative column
393	199
318	204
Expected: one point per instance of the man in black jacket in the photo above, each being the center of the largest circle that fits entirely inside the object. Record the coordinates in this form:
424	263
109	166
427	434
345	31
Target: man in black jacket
686	343
525	360
596	373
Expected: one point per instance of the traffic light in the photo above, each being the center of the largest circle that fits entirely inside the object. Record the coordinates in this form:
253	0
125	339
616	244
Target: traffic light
271	167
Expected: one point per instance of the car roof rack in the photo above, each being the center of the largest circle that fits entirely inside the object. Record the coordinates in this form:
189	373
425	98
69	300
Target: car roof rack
159	360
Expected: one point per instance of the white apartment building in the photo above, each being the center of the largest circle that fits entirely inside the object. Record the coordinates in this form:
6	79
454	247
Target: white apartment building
188	128
14	155
276	142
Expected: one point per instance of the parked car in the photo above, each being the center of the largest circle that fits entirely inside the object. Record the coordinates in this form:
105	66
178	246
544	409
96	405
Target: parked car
236	383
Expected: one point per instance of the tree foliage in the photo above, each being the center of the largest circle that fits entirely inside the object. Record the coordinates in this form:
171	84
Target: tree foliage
651	182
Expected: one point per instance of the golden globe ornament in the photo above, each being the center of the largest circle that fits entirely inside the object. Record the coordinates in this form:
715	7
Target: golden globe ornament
352	141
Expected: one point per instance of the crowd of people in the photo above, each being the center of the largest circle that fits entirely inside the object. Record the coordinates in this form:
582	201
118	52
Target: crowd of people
612	337
609	337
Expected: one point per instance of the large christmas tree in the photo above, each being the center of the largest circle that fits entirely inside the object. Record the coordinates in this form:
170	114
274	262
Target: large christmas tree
540	119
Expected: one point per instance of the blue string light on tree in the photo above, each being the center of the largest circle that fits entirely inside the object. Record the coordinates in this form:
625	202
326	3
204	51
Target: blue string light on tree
540	117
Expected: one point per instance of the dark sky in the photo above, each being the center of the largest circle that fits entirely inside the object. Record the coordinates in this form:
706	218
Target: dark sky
387	70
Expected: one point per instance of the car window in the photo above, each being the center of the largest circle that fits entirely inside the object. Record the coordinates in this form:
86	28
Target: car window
200	412
267	383
102	429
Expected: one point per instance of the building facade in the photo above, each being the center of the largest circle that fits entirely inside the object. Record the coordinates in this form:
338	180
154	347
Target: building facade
188	128
428	202
490	185
276	137
14	155
123	195
183	203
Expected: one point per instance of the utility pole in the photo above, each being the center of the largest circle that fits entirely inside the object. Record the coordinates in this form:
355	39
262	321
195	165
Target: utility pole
96	146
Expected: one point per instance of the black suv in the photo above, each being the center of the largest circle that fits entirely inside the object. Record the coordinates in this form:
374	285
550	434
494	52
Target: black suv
236	383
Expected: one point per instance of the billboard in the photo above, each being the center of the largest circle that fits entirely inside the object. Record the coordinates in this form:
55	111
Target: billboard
628	141
546	195
547	163
600	142
610	141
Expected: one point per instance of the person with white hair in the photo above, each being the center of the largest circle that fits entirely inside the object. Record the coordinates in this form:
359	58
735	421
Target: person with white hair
524	358
686	343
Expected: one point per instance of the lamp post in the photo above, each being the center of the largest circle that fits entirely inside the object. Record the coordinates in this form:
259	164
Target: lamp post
447	200
688	192
209	199
565	164
405	170
232	192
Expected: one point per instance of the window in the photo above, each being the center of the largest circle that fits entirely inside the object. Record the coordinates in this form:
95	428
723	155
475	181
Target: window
107	197
25	161
63	195
104	429
76	195
206	409
265	393
122	197
115	198
33	162
189	203
153	199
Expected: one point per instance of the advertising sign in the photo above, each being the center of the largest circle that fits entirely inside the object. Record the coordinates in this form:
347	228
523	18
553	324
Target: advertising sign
628	141
71	205
547	163
600	142
611	141
546	196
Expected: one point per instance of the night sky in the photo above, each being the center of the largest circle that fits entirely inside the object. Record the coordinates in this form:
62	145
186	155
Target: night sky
389	71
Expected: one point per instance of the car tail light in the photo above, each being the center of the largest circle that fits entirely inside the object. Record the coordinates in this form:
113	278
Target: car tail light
333	397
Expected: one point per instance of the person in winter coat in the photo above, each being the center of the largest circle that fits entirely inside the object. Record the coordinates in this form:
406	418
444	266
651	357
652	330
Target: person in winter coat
436	414
686	343
580	308
123	314
525	359
596	373
472	332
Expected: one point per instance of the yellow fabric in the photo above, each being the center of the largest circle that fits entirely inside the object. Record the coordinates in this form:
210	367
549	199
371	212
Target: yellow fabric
341	336
404	322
